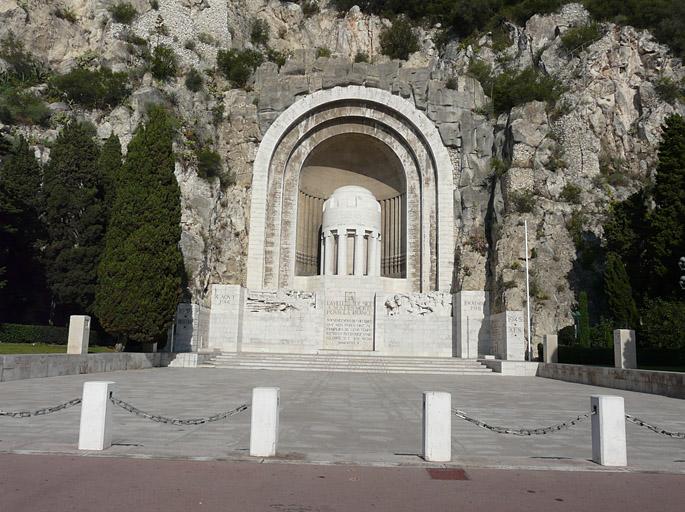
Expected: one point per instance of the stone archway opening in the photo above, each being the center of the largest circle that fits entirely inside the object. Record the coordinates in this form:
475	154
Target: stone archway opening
352	159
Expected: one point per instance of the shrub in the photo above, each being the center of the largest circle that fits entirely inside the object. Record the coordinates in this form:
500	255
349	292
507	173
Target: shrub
19	107
206	38
323	52
92	89
259	33
451	83
399	40
154	4
50	334
238	65
575	226
513	88
194	80
577	38
663	323
208	163
123	12
481	71
22	65
361	57
189	45
522	202
276	57
669	90
309	7
163	65
570	193
65	13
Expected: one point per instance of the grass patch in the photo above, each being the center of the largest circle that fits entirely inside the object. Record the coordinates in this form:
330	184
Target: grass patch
44	348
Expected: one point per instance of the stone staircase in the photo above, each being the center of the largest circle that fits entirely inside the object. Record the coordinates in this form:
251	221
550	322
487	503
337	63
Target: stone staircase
340	362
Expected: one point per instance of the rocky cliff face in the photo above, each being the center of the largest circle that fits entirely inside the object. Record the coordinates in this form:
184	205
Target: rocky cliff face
596	145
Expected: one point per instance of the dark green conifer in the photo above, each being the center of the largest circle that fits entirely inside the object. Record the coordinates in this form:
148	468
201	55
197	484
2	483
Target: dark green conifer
75	220
140	274
583	320
619	294
109	166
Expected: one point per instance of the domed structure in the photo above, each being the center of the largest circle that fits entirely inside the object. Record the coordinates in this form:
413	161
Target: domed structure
350	233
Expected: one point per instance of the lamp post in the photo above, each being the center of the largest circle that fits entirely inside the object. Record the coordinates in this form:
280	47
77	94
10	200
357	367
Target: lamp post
529	353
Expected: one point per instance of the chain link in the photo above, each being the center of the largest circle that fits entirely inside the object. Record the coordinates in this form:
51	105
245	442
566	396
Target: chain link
41	412
176	421
654	428
522	431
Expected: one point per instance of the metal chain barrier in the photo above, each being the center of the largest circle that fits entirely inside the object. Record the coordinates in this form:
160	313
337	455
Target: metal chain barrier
177	421
522	431
654	428
41	412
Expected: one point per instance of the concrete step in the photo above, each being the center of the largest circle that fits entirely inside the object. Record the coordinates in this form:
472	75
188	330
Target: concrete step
354	363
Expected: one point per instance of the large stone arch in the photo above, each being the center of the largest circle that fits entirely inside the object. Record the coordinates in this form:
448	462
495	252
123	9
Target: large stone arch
298	128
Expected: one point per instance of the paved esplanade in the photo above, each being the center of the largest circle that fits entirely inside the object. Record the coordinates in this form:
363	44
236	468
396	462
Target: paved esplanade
333	417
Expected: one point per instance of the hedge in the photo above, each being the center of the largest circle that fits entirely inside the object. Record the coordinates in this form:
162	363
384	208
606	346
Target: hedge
18	333
576	354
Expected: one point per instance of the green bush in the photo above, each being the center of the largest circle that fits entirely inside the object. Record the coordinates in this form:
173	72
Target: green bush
522	202
259	33
399	40
163	64
481	71
323	52
208	163
50	334
65	13
276	57
238	65
670	91
513	88
92	89
22	65
576	354
194	80
663	323
361	57
571	193
20	107
309	7
577	38
123	12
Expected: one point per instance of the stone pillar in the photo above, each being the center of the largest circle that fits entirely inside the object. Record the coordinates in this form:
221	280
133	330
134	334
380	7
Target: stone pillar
359	252
437	426
373	254
342	252
226	317
95	429
322	253
264	424
625	349
608	430
329	252
79	334
550	348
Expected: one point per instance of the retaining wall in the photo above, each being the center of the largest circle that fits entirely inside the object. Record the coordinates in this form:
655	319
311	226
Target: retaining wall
17	367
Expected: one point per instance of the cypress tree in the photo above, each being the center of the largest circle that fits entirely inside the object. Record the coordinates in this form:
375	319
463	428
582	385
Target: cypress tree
583	321
74	217
23	299
667	222
619	294
141	270
109	166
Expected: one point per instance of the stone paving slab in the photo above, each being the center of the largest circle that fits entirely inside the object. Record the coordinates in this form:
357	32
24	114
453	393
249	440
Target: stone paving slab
341	417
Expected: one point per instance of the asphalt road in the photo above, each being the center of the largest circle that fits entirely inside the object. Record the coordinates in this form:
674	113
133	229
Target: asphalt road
55	483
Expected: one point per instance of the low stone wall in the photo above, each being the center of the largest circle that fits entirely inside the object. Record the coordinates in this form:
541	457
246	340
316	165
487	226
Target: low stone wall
17	367
643	381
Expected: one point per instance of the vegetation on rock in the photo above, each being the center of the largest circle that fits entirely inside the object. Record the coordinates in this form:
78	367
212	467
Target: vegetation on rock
399	40
238	65
92	88
123	12
164	64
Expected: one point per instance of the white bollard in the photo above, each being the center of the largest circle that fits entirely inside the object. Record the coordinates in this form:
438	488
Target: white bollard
95	432
550	348
437	426
79	334
264	426
608	430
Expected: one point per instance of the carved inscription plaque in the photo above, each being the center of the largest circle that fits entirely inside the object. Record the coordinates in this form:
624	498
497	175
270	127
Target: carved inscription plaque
349	320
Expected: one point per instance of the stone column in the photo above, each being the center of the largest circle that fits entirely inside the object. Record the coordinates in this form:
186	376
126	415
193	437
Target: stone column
79	334
373	254
608	430
322	253
329	253
342	252
550	347
625	355
359	252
